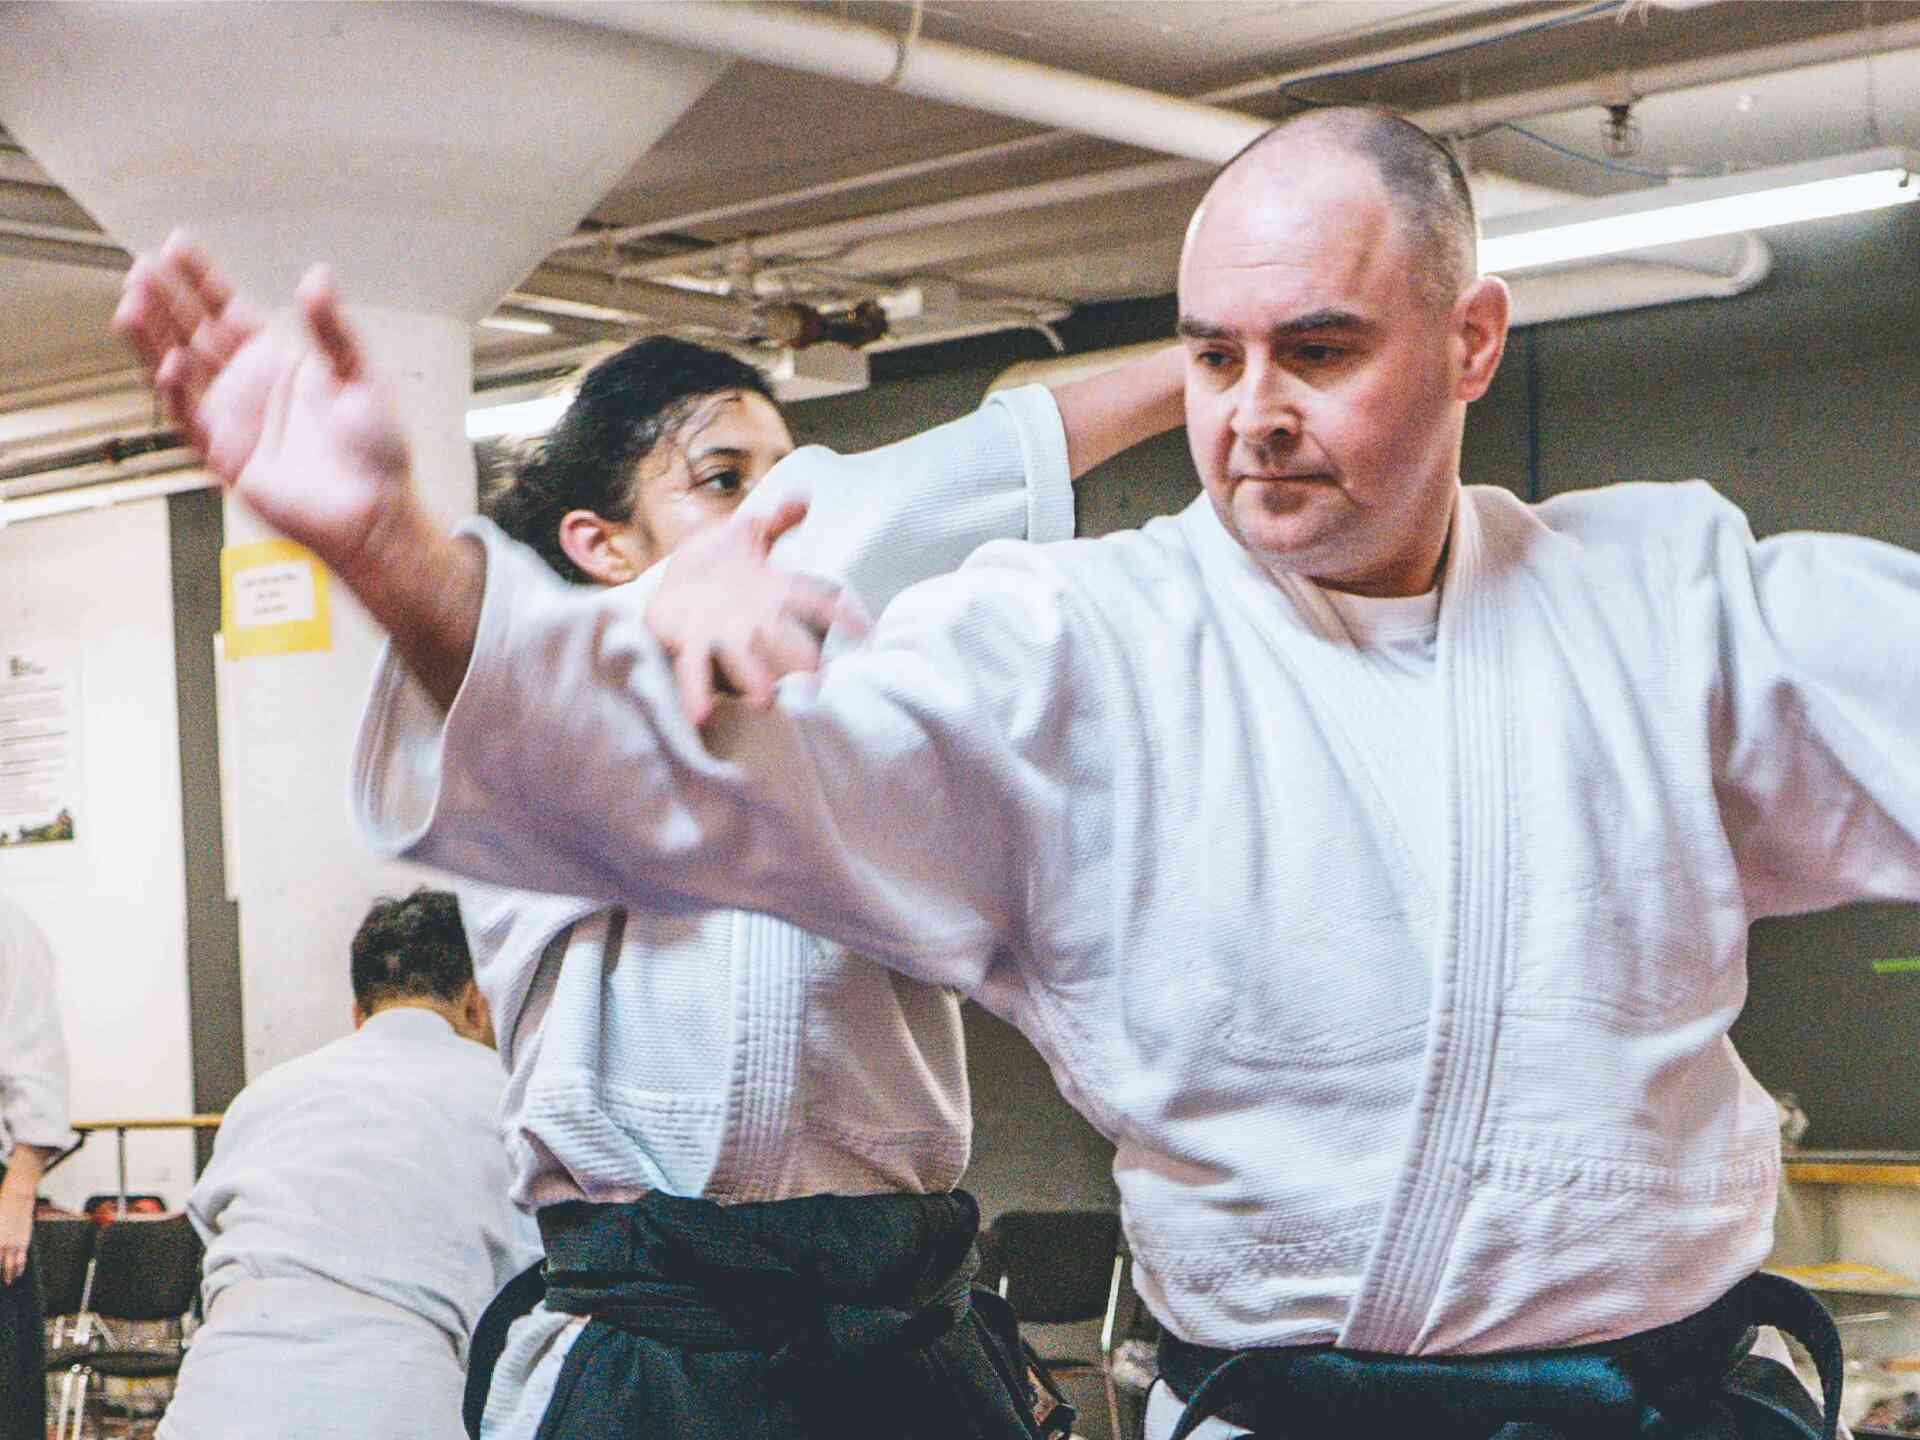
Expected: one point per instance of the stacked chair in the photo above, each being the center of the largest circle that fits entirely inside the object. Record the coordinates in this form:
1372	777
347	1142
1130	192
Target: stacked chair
143	1269
63	1252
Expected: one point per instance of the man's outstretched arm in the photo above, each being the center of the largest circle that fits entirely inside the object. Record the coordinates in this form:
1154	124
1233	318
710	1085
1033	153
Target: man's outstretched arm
302	431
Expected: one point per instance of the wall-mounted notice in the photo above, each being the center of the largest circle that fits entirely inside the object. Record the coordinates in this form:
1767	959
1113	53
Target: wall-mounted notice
39	746
273	600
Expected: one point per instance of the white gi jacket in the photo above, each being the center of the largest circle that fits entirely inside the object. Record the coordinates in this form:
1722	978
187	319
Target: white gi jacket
1103	787
356	1219
33	1047
729	1055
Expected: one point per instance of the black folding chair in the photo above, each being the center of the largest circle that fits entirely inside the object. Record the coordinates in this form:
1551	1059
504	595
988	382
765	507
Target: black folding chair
63	1252
63	1249
146	1269
1058	1267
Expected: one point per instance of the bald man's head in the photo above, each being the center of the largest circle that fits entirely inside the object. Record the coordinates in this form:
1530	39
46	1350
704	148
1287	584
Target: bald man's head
1425	187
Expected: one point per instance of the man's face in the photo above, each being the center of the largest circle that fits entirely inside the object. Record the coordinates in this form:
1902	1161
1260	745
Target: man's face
1324	399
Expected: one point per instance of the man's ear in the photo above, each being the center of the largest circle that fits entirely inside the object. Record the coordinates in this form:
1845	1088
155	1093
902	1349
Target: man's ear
1479	322
607	551
478	1014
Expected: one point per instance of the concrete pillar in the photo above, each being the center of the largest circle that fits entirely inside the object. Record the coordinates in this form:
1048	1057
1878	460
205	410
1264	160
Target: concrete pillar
301	875
433	153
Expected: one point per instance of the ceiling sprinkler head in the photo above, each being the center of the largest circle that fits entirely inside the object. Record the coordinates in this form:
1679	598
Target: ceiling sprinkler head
1620	132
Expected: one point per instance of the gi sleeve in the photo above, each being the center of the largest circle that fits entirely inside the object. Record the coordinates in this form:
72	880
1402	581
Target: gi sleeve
882	520
1817	765
886	803
33	1046
886	519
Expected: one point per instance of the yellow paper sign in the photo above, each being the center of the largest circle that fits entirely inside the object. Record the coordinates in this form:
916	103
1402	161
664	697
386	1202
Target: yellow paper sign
273	600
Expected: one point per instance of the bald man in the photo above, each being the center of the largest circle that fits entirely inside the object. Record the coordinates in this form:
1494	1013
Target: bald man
1371	855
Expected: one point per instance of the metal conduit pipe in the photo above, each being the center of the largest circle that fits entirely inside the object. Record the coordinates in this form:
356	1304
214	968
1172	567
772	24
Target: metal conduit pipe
910	170
1263	86
930	69
1441	120
939	212
568	293
1679	75
593	295
625	298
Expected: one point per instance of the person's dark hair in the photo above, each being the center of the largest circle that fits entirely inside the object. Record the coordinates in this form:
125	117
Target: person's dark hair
626	406
1426	184
411	949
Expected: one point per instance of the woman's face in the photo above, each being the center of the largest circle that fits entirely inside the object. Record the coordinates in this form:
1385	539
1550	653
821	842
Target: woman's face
698	475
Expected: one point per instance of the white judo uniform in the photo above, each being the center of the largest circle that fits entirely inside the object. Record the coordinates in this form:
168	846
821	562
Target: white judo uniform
729	1055
33	1046
33	1111
356	1218
1113	790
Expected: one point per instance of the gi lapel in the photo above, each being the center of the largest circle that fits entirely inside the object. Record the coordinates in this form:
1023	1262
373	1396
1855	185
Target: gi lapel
1403	1273
772	966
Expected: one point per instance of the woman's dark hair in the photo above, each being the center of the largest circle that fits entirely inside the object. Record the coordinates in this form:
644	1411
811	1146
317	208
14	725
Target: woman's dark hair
414	948
626	406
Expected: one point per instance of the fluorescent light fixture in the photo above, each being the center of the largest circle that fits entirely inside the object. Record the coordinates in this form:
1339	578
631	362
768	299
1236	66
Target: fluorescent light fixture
1698	209
518	324
99	496
521	417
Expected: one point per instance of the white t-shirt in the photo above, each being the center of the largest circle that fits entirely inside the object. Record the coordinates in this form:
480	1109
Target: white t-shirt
1398	724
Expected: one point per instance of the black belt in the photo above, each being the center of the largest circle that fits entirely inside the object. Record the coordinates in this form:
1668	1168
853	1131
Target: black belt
789	1321
822	1287
697	1275
1644	1384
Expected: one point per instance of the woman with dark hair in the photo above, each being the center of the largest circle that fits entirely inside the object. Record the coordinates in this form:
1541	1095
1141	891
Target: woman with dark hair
743	1142
662	438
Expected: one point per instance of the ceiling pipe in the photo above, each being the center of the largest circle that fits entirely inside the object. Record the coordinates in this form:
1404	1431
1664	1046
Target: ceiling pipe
929	69
84	252
1605	90
625	305
98	496
1440	120
563	293
1263	86
933	216
596	296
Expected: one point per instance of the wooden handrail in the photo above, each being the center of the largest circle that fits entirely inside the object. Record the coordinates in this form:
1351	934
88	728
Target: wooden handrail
181	1122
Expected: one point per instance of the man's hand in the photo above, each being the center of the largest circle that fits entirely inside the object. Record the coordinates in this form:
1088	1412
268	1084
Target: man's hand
299	429
725	612
294	425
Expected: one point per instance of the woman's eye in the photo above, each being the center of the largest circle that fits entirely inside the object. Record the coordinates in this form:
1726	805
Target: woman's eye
1319	354
723	482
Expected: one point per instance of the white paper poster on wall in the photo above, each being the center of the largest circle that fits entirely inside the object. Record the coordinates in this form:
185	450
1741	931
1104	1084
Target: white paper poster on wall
40	779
